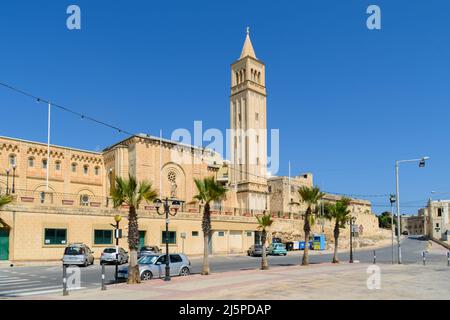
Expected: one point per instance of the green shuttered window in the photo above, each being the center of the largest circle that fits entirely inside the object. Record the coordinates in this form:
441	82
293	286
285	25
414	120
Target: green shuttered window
103	236
55	236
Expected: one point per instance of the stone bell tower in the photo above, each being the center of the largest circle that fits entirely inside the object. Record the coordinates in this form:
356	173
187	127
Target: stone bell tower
249	130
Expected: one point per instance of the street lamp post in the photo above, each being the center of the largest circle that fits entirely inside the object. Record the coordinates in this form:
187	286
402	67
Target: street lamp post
7	181
397	163
392	200
175	205
352	221
13	189
117	235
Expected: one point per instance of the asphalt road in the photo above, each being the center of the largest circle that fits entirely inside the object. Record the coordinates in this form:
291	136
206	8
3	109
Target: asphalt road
33	280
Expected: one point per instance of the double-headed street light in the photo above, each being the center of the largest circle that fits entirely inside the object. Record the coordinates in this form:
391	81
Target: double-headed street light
397	163
7	181
13	189
168	205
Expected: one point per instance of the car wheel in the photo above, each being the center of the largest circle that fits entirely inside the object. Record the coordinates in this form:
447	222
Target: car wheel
185	272
146	275
86	263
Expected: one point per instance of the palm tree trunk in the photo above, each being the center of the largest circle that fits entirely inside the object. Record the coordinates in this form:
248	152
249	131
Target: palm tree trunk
264	262
307	230
336	240
206	226
133	243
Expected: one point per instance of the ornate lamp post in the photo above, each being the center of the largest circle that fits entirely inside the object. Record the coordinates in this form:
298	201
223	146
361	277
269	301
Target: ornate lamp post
352	222
117	235
175	205
7	181
13	189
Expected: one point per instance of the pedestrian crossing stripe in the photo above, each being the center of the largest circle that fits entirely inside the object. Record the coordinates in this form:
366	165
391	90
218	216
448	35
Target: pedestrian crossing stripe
35	291
9	292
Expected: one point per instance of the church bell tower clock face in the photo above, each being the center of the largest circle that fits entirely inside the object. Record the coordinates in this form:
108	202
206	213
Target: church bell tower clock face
249	129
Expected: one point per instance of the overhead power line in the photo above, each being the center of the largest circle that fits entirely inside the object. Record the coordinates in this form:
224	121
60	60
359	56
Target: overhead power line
64	108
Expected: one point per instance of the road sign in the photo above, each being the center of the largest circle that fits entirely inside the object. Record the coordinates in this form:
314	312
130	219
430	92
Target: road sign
118	233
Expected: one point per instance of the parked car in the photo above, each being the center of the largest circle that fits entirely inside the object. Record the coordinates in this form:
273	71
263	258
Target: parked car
277	249
146	250
78	254
109	256
255	250
153	266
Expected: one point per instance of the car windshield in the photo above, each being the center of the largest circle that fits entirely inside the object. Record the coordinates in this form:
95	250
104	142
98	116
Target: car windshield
148	260
148	249
258	246
110	250
74	251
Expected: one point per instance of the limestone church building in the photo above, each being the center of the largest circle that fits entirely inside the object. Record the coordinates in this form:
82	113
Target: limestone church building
75	206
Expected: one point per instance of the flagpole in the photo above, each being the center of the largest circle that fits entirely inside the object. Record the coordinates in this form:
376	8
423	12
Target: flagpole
48	143
160	163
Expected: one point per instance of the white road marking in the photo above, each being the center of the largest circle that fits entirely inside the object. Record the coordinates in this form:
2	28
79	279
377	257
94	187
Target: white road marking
22	285
28	290
13	280
25	294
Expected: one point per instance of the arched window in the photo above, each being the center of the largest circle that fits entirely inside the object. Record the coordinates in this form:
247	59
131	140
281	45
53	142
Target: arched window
58	165
12	159
44	163
74	167
97	170
85	169
30	162
237	77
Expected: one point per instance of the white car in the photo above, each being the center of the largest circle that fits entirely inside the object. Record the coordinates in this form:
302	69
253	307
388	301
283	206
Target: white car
154	266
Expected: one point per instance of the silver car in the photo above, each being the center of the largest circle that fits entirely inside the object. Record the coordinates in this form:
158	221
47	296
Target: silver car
109	256
153	266
78	254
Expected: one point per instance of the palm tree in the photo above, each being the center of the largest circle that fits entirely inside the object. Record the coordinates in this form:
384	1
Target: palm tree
341	215
264	222
310	195
5	199
208	191
130	193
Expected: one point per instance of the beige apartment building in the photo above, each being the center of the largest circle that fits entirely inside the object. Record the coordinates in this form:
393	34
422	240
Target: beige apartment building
412	224
437	220
61	194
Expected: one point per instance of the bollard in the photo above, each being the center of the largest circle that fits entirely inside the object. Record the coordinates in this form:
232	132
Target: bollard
424	258
103	277
374	257
65	292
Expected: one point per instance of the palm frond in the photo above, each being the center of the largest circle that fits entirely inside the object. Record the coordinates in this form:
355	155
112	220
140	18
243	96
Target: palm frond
209	190
264	221
4	200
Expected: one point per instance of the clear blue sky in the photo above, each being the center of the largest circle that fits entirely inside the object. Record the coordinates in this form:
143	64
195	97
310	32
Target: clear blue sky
348	101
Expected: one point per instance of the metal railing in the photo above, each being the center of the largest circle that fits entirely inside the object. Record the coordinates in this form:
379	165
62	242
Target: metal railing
57	199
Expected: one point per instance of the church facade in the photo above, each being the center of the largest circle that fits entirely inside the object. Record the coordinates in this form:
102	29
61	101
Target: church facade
61	194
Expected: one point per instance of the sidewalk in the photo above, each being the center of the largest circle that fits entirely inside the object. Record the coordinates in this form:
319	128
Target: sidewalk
321	281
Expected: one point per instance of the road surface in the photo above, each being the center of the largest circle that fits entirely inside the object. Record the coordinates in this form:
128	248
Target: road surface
34	280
